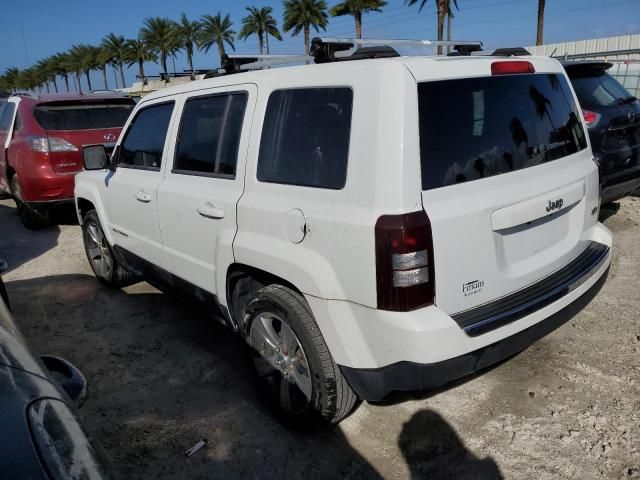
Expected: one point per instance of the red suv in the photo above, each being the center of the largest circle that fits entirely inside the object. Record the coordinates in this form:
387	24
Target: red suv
41	140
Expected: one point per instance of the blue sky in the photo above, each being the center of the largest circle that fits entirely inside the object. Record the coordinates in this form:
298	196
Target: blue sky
33	29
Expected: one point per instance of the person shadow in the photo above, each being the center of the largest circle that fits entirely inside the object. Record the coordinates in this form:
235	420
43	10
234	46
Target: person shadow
433	450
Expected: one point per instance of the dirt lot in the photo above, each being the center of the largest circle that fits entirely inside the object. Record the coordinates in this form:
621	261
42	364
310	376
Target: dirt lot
162	377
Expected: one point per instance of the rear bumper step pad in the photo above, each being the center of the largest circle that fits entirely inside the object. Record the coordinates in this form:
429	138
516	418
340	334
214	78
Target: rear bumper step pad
517	305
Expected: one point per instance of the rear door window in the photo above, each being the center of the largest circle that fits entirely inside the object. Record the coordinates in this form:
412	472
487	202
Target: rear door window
72	115
6	116
305	137
210	135
143	143
475	128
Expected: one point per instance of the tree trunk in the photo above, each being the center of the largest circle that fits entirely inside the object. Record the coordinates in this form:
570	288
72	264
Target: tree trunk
66	81
104	76
115	74
141	71
261	42
190	56
173	61
306	38
267	39
88	80
540	21
55	85
79	85
221	51
441	13
46	84
449	33
121	65
165	70
358	18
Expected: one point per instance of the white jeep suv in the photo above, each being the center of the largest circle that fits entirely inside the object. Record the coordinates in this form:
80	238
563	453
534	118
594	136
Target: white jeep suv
367	226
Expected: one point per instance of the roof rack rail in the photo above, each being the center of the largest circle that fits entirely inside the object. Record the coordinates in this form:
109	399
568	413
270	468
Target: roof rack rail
326	49
239	63
23	94
511	52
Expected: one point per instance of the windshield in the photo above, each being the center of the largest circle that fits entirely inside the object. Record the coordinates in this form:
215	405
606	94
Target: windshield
598	88
474	128
83	115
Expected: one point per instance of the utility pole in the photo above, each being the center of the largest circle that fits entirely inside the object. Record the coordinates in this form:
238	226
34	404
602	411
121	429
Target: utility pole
449	33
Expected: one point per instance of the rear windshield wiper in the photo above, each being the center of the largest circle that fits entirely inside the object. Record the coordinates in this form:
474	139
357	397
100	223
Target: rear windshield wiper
628	100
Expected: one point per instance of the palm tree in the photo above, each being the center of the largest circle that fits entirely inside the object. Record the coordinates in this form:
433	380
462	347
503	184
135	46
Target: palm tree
12	78
301	15
216	31
356	8
260	22
443	8
83	59
160	36
270	26
113	46
541	5
187	32
60	67
43	71
104	57
137	51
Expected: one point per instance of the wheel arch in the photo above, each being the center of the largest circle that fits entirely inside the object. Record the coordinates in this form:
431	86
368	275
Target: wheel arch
242	282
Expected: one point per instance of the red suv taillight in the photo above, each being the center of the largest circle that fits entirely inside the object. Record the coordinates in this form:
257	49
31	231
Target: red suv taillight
590	118
404	262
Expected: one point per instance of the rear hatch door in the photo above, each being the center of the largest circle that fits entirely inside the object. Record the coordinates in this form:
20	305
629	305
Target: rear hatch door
72	124
508	179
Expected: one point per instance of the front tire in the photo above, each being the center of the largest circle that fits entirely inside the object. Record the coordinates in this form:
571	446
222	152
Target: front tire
294	366
103	262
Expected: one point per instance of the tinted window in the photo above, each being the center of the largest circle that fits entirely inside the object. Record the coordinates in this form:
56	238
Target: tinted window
305	138
598	88
210	134
6	116
144	142
479	127
83	115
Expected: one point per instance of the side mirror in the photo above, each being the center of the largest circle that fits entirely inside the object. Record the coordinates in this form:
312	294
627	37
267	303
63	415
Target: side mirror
95	157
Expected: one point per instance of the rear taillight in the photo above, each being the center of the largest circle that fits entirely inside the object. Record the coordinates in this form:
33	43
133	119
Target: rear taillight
404	262
511	67
590	118
51	144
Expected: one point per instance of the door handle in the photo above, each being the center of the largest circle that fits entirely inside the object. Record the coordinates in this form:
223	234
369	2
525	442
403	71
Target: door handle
143	197
210	211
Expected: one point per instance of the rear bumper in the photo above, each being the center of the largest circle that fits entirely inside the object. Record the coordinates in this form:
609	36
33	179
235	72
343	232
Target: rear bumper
375	384
428	343
618	185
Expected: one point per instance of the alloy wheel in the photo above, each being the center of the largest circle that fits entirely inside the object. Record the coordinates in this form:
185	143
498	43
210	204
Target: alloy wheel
281	362
98	251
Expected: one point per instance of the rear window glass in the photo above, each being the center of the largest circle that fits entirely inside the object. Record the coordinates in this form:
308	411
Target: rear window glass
598	89
305	138
480	127
83	116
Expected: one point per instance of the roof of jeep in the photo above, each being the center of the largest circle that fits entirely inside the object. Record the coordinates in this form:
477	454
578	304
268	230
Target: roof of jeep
421	67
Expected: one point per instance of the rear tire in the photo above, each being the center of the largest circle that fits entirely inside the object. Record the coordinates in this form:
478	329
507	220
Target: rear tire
31	218
103	262
292	360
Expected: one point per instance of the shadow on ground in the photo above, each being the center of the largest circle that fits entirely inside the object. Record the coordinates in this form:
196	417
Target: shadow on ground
162	377
18	245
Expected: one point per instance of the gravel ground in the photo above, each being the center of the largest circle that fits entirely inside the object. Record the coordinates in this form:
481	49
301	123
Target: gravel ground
163	377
